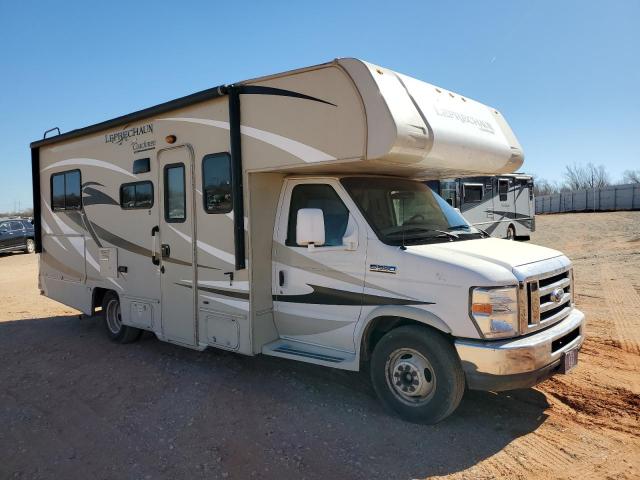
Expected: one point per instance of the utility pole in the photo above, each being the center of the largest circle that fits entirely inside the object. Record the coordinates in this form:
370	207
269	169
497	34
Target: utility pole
593	186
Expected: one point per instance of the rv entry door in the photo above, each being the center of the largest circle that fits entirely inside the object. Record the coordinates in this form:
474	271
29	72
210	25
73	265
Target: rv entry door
175	247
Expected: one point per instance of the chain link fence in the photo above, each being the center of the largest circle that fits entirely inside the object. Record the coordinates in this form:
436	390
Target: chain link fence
614	197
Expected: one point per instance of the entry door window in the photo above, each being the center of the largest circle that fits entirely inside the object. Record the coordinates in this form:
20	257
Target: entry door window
324	197
174	193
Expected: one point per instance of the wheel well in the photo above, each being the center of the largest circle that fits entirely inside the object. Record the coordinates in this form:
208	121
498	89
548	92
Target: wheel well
380	326
98	296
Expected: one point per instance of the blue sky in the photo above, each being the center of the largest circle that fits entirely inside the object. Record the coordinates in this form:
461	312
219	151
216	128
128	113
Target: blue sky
564	73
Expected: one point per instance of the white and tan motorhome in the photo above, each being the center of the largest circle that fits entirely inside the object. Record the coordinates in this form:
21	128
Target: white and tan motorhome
501	205
288	216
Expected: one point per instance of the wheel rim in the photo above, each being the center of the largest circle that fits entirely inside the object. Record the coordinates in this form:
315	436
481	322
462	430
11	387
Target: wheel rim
30	246
410	376
112	314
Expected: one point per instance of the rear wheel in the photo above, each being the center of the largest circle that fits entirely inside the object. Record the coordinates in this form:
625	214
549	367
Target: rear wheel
113	321
31	246
511	233
417	374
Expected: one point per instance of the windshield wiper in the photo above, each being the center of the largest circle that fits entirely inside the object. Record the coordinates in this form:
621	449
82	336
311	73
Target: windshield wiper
443	233
468	227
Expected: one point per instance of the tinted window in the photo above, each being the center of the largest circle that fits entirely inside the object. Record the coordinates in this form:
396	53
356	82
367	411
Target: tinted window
66	191
216	183
5	226
72	189
136	195
57	192
27	224
16	225
503	189
174	193
472	193
324	197
144	195
128	196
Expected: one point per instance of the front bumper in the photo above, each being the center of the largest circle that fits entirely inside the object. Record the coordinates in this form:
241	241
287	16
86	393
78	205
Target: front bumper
519	362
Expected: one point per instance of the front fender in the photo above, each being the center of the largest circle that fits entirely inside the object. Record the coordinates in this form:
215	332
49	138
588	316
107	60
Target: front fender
403	311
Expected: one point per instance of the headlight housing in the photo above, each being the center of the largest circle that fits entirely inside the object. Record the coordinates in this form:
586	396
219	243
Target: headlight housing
495	311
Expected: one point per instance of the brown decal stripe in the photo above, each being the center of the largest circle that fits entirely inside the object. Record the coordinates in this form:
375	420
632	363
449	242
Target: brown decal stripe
262	90
332	296
133	248
219	291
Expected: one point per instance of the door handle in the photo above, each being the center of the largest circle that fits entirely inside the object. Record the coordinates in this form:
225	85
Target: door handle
281	278
165	250
154	259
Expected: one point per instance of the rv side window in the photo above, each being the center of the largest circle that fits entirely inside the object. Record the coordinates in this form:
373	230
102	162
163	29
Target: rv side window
65	191
174	193
472	192
324	197
216	183
503	189
136	195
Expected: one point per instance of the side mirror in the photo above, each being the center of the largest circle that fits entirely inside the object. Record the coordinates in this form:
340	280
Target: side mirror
310	227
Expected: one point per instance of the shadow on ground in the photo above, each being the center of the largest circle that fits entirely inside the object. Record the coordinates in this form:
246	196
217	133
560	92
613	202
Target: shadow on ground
75	405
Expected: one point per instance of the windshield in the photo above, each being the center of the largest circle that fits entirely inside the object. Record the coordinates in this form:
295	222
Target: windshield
407	212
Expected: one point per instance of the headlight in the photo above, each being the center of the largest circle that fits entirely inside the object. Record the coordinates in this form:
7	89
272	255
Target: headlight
495	311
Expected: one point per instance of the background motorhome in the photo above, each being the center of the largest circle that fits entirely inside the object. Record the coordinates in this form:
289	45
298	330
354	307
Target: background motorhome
502	206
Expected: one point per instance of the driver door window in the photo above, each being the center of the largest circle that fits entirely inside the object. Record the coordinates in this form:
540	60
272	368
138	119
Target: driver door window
324	197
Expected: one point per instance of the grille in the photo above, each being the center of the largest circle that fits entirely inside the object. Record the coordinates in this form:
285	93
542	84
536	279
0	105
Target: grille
549	299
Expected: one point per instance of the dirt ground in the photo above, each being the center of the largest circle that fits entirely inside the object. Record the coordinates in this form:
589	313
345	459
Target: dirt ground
75	405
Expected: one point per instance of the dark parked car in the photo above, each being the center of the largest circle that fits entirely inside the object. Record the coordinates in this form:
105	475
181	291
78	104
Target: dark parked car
16	234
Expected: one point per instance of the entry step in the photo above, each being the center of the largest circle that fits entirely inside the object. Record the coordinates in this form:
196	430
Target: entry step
310	353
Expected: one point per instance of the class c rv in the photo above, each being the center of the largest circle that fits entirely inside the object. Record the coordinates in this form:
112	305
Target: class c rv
503	205
288	215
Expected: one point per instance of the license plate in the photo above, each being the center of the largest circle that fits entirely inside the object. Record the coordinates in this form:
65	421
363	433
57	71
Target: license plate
569	360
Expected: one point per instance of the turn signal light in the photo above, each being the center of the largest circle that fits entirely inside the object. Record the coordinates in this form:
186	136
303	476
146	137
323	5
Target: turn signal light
482	309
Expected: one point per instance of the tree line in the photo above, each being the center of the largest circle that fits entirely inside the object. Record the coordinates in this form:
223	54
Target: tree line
27	213
582	177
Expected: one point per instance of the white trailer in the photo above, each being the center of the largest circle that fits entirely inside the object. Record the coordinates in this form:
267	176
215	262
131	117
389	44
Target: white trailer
287	216
501	205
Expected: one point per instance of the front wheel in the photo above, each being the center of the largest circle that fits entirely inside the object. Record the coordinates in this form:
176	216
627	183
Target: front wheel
113	321
416	373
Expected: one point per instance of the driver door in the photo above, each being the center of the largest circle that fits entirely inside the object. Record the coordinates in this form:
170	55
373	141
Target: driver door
318	291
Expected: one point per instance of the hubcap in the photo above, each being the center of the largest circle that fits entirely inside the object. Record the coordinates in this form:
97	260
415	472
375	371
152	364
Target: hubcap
112	314
30	246
410	376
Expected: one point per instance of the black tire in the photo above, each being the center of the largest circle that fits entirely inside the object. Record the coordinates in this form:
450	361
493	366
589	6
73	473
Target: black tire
116	331
30	246
511	233
445	374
